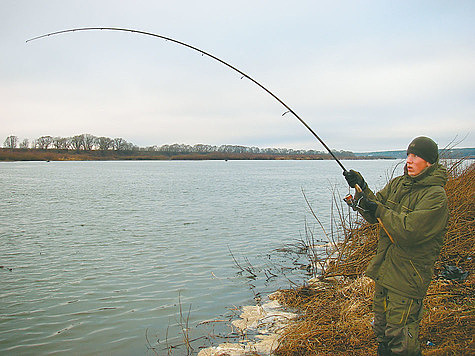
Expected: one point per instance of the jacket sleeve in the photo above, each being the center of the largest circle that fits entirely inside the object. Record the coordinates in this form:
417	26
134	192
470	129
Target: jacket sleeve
380	197
426	220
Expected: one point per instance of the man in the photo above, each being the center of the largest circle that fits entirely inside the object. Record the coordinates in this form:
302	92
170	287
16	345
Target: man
413	210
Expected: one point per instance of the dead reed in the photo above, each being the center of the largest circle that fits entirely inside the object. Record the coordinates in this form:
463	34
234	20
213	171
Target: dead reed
335	311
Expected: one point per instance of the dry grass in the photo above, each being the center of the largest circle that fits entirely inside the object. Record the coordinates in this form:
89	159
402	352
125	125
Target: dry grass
336	312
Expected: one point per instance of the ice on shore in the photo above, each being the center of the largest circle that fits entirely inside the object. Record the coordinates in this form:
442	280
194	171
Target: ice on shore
266	320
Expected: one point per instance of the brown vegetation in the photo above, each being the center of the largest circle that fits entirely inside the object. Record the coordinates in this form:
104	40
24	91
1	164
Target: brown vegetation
72	155
336	311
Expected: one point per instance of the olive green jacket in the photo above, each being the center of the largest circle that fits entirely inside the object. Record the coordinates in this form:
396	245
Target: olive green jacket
414	212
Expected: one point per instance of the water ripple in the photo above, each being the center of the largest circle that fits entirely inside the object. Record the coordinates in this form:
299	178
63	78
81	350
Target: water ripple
97	253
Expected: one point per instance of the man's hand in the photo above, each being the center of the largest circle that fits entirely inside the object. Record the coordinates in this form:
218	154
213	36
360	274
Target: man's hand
353	178
366	205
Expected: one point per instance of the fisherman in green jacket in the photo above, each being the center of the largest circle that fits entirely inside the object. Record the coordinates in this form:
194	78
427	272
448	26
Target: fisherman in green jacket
413	212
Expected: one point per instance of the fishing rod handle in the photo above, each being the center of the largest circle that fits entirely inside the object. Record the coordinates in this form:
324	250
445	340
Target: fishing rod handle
359	190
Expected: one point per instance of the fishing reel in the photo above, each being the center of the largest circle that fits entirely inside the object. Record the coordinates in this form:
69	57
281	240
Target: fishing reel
355	205
352	202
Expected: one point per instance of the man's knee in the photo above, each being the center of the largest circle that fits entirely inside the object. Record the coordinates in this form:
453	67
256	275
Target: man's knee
402	310
402	330
396	322
379	309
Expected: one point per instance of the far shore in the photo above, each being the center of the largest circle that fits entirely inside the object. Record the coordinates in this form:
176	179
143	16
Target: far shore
16	154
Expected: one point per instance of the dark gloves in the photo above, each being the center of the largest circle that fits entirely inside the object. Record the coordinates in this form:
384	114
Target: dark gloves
353	178
365	205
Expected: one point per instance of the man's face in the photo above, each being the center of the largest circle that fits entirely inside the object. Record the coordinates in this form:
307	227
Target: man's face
415	164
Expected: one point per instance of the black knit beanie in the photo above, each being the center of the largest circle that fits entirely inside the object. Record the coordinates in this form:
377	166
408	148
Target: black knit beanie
425	148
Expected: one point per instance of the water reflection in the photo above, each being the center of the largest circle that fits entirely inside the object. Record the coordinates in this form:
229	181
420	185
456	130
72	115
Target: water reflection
100	256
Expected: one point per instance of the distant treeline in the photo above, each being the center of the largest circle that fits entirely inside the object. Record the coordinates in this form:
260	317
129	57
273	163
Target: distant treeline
443	153
31	154
84	142
89	143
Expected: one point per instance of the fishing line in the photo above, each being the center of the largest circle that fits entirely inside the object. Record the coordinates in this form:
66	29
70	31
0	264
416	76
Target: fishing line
244	75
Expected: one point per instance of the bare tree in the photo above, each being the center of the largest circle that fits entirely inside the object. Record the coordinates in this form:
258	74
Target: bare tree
11	142
201	148
25	143
61	143
104	143
88	141
77	142
119	144
153	148
179	148
44	142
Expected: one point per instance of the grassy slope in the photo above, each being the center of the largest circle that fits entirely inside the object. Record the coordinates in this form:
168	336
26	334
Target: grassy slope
336	312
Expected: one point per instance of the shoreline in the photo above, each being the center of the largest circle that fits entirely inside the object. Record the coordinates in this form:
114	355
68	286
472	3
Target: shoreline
15	155
334	311
261	327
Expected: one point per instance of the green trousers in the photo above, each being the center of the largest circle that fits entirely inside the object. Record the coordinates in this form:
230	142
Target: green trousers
396	321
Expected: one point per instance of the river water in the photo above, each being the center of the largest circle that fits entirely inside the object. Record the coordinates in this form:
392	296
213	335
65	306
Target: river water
100	257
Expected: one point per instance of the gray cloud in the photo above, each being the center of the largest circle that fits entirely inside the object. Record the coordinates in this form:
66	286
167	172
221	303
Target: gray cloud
365	76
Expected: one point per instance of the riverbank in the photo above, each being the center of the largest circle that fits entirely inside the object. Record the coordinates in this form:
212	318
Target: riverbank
7	154
336	319
260	327
331	315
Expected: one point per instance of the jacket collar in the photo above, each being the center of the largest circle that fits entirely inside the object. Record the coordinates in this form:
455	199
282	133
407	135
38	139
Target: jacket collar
436	174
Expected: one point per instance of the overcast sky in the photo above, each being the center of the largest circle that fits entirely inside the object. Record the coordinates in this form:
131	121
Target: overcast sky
365	75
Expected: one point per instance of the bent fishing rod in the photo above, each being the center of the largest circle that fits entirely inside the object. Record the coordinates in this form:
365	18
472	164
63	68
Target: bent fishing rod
244	75
348	199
